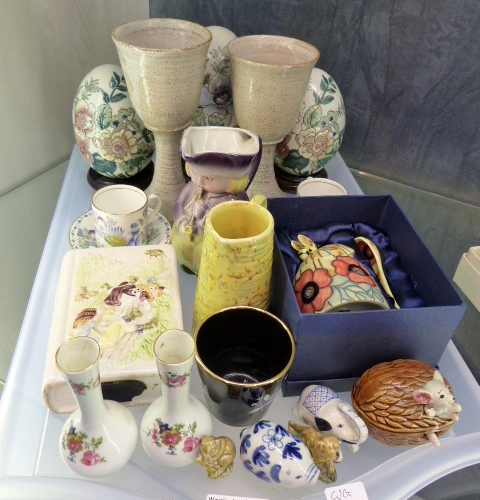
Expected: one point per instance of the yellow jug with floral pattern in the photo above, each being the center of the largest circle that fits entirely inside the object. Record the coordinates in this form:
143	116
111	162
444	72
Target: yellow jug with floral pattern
236	260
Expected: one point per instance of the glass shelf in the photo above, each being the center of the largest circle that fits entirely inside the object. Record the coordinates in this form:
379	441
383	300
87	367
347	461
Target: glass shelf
31	467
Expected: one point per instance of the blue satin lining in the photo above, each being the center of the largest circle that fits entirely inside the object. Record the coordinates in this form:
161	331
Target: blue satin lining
400	283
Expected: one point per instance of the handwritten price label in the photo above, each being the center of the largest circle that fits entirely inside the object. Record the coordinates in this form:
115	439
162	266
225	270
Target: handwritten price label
223	497
350	491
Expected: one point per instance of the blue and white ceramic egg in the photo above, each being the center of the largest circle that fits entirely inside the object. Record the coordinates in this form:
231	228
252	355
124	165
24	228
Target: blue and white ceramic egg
272	454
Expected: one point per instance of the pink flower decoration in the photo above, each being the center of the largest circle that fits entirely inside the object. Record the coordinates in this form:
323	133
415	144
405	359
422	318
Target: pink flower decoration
353	270
83	120
312	290
191	444
74	443
78	389
90	458
171	438
177	381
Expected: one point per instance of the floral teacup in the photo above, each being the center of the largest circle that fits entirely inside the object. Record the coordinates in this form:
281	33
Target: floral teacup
330	279
121	215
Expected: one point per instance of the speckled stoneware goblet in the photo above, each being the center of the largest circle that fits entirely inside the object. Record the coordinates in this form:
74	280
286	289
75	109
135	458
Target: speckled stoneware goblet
270	75
163	61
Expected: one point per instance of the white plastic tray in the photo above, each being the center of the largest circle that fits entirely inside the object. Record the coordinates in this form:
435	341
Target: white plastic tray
31	467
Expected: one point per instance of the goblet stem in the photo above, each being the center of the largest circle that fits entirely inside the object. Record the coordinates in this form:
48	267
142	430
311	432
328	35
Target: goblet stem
168	180
265	181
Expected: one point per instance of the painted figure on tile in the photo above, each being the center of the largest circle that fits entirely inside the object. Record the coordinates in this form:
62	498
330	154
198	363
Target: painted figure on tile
127	311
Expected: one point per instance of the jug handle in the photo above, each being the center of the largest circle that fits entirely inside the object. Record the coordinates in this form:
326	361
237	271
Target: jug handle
259	199
256	163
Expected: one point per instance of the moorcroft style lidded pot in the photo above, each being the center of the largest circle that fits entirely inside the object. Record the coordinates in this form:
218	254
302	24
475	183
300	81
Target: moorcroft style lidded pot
100	436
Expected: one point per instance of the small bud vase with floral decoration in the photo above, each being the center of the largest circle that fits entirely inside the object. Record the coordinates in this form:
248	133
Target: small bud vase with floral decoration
174	424
100	436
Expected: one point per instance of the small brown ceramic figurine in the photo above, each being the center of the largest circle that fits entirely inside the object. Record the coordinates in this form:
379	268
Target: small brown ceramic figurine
324	450
216	455
405	402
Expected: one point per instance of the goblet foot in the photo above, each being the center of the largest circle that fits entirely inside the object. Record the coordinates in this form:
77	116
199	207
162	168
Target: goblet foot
265	181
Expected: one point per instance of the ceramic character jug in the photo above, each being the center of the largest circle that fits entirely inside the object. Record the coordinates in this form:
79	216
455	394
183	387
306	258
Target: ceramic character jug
236	261
100	436
222	162
174	424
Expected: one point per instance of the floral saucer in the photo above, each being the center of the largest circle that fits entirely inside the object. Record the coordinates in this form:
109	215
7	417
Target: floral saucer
82	232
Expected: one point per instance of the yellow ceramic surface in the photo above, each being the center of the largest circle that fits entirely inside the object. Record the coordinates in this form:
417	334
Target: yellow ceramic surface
236	262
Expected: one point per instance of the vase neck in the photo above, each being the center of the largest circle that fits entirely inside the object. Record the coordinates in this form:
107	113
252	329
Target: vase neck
88	393
175	384
175	398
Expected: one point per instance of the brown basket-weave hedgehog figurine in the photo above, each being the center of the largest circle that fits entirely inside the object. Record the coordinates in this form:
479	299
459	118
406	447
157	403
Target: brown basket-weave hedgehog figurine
405	402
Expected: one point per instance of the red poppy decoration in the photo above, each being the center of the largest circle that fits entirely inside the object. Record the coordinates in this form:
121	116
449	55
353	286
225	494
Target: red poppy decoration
313	290
353	270
366	251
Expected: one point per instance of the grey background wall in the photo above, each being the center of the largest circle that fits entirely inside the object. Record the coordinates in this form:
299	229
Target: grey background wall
408	71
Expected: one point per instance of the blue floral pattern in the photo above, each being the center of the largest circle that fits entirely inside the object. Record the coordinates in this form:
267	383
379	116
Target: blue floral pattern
272	454
273	439
82	232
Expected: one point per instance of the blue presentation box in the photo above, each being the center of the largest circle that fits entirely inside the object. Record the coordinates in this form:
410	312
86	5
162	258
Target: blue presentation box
334	349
